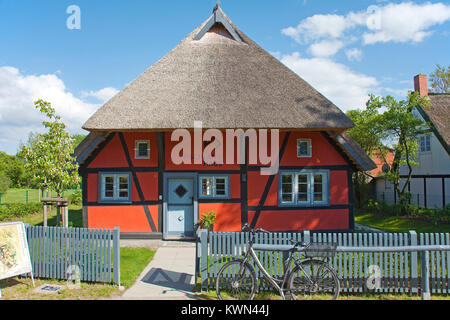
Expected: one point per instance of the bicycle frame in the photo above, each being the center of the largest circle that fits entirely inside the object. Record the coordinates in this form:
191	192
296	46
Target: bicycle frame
274	282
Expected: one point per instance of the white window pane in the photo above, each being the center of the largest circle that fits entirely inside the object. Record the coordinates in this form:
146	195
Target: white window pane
220	186
108	186
207	186
142	149
318	187
287	188
302	187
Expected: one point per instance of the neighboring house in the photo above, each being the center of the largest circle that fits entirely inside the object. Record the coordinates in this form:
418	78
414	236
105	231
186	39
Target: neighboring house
219	76
430	183
383	163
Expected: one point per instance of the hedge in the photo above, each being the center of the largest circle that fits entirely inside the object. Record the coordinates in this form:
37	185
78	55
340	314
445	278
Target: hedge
18	210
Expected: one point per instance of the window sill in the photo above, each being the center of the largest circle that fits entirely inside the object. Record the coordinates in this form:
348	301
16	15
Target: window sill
306	205
115	201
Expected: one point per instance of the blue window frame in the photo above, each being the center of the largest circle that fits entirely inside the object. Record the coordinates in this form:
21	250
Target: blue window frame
115	187
304	148
142	149
214	186
304	188
425	143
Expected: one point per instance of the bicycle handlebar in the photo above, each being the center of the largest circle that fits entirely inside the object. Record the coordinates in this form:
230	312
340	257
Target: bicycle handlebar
247	228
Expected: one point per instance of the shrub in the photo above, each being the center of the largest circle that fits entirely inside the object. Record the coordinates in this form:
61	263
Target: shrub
76	197
4	183
207	220
18	210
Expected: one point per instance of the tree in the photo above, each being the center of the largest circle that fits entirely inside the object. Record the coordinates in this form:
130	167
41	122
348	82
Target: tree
369	134
50	157
440	80
402	128
4	183
13	168
77	138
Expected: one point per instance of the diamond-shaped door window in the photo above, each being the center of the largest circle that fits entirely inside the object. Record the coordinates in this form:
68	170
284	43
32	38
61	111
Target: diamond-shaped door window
180	191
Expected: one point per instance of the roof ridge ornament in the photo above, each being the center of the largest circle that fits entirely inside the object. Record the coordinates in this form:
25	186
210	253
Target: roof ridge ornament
218	17
217	6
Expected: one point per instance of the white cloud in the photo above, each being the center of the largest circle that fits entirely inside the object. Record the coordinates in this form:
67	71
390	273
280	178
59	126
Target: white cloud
344	87
353	54
102	95
393	22
405	22
319	26
18	116
325	48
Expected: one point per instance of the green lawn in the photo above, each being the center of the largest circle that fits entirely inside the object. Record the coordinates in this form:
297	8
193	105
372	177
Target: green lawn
398	224
267	295
37	219
22	195
132	262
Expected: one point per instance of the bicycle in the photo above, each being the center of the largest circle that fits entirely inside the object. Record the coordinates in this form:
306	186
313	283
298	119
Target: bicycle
308	278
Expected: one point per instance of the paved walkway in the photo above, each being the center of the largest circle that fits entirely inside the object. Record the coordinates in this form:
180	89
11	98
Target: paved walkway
361	227
170	275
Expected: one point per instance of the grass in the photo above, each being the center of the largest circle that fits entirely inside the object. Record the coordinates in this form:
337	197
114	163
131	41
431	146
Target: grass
271	295
398	224
37	219
132	261
19	195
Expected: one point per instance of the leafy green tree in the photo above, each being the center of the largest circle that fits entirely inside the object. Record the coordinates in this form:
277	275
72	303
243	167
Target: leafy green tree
77	138
403	129
13	168
4	183
50	157
369	134
440	80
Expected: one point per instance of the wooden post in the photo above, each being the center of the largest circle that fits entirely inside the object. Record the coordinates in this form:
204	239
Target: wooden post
45	214
66	215
425	256
116	255
203	260
414	264
63	216
58	217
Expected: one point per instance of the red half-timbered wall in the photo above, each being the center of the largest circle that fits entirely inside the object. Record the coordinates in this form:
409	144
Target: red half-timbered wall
253	197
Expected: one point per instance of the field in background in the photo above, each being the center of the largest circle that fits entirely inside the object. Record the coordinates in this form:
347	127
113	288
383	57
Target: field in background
28	195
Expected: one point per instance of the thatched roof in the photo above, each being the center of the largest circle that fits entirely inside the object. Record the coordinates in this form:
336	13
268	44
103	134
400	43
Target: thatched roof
439	116
223	80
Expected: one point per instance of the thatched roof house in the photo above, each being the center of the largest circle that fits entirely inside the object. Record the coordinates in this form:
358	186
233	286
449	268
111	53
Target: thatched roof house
219	76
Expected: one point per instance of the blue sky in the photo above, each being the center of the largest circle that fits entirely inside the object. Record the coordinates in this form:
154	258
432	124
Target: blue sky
345	49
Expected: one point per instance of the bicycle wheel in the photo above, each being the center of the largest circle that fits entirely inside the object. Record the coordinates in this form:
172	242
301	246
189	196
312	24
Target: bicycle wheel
313	280
236	281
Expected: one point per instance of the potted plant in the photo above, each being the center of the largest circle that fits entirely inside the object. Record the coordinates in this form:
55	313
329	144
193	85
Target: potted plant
207	221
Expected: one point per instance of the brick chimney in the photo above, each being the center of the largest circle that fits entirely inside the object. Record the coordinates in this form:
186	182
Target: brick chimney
420	84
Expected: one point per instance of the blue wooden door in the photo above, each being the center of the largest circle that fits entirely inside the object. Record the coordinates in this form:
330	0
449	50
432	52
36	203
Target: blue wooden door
180	205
